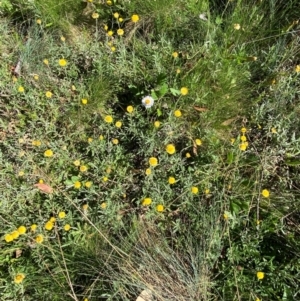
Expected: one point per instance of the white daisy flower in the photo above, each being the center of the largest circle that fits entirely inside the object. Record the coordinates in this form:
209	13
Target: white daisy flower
148	102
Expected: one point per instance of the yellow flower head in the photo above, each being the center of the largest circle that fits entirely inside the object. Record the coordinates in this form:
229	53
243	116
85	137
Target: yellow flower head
153	161
76	163
67	227
33	227
297	69
110	33
184	91
83	168
157	124
39	21
62	62
243	146
85	207
260	275
146	202
101	137
52	219
105	179
36	143
46	62
19	278
148	171
88	184
62	38
15	234
77	185
49	226
113	48
194	190
226	216
21	173
265	193
116	15
160	208
105	27
103	206
61	214
243	130
118	124
109	2
36	77
8	238
22	230
120	19
237	26
175	54
135	18
198	142
129	109
84	101
188	155
172	180
120	32
90	140
48	153
115	141
177	113
39	238
48	94
243	138
170	149
108	119
21	89
95	15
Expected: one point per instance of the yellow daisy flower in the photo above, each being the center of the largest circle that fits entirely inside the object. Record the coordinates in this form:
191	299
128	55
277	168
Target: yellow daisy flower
153	161
184	91
170	149
135	18
62	62
146	202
